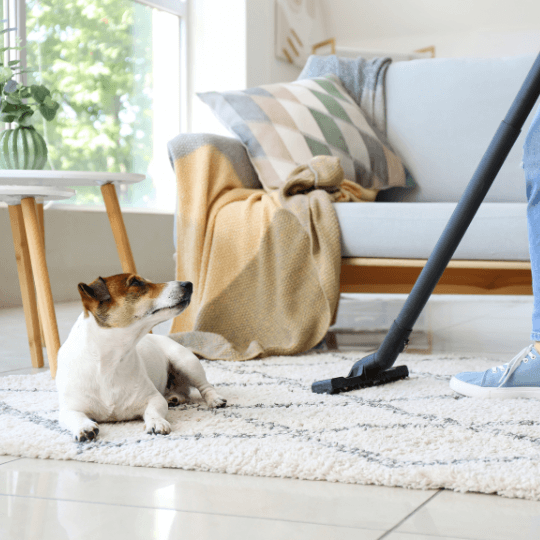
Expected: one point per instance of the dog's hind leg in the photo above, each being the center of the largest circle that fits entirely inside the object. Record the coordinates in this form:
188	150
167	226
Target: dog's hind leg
190	372
177	390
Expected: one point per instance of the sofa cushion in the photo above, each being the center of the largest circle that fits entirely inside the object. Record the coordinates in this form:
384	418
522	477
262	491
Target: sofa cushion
284	125
441	117
411	230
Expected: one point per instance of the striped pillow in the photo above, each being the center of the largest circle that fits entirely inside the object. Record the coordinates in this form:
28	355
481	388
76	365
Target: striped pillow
284	125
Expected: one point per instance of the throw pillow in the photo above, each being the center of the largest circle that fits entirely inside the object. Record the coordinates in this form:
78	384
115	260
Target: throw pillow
285	125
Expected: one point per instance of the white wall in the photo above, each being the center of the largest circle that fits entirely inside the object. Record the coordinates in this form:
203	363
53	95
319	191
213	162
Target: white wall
481	28
217	47
262	65
232	48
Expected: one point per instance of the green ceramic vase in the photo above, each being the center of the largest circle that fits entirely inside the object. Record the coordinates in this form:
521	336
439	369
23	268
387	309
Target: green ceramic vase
22	148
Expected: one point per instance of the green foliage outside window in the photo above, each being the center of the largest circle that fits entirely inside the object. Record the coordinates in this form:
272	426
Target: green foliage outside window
97	56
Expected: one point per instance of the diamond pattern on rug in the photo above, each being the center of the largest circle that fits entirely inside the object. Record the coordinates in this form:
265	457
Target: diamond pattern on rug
414	433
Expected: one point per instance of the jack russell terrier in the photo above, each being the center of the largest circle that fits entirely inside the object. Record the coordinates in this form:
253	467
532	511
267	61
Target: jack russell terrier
111	369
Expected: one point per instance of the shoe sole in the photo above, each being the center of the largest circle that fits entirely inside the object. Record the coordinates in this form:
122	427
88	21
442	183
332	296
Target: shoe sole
472	390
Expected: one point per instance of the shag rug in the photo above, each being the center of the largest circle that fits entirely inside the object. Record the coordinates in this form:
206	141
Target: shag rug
415	433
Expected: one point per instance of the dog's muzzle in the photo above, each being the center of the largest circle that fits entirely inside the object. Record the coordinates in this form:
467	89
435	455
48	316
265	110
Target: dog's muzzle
186	288
177	299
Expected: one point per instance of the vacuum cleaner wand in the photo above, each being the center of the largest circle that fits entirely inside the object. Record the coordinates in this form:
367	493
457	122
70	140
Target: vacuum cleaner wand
377	368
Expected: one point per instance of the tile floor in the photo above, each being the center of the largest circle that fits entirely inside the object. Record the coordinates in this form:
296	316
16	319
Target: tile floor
47	499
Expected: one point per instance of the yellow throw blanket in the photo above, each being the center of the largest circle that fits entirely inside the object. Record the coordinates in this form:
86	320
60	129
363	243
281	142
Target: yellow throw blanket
265	266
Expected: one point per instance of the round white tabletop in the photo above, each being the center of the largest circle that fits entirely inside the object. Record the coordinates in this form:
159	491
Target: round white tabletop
66	178
13	194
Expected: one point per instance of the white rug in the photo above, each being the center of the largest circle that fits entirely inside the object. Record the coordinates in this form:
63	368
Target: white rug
415	433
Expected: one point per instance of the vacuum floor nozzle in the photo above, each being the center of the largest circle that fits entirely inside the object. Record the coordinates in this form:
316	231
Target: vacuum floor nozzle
345	384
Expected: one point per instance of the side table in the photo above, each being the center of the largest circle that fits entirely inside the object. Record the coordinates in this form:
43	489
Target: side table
32	266
60	181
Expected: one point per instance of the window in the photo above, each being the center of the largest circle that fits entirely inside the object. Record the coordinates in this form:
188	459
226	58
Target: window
114	66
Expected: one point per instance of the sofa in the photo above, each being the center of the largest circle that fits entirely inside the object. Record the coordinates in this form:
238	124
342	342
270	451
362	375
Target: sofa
441	116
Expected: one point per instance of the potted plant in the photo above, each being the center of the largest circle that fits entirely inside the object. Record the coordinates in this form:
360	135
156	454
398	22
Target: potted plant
22	147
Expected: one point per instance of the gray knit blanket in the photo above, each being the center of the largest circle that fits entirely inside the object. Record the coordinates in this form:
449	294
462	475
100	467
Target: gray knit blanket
363	79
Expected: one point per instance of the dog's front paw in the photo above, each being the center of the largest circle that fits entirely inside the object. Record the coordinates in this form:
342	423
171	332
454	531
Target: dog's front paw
215	401
158	426
86	432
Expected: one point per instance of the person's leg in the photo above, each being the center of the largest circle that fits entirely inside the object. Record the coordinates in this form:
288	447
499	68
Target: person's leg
518	377
531	166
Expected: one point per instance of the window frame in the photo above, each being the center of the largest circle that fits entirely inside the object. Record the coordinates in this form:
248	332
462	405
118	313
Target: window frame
15	13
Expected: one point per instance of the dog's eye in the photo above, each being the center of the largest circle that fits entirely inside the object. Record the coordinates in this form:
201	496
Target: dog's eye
136	283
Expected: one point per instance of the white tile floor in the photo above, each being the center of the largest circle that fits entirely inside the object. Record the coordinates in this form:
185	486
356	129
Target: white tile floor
46	499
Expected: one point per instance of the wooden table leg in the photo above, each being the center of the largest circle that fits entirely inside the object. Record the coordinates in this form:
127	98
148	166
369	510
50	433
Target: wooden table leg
41	277
41	221
26	283
118	228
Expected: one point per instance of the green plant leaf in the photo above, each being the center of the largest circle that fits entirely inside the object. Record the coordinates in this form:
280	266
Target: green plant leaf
48	113
4	49
16	109
48	102
39	92
8	118
26	119
16	70
14	99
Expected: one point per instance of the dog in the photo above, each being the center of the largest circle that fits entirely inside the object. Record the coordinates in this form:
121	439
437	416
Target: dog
111	369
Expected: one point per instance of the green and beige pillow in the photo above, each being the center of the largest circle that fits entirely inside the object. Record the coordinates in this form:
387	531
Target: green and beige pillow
285	125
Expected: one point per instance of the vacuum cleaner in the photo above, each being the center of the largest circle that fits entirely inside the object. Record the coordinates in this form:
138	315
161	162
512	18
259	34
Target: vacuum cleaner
377	368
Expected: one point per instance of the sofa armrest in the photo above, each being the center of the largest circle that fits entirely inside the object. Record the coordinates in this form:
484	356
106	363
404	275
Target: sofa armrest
185	143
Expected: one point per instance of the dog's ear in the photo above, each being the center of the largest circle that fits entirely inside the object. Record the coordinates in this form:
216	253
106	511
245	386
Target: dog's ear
96	291
134	278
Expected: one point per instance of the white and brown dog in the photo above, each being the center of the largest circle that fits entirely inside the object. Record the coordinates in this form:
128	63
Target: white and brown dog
110	368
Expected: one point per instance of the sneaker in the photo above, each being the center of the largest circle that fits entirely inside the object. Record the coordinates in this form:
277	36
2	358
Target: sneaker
518	378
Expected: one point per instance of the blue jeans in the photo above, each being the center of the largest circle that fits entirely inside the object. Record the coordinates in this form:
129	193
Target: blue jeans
531	165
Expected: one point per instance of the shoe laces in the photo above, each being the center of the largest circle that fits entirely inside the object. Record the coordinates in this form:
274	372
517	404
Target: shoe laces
511	366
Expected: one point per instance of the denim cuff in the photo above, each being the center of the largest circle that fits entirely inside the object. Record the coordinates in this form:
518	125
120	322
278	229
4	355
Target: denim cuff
535	336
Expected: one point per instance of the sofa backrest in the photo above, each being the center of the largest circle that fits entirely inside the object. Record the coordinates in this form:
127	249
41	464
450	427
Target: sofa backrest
443	113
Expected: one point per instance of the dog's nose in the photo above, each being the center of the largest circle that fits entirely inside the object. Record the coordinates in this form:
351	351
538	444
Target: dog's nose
187	286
